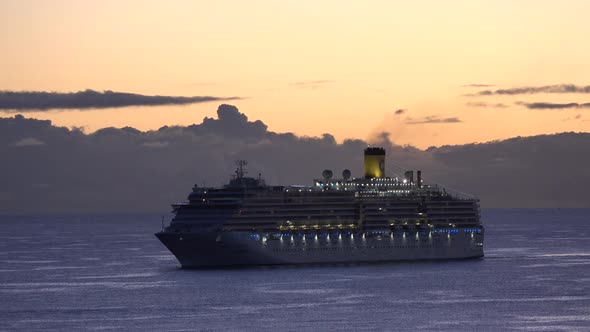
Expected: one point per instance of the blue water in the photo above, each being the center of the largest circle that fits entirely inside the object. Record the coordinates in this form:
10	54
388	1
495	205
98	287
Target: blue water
110	272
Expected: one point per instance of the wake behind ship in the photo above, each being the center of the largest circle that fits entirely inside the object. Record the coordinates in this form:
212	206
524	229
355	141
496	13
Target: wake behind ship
369	219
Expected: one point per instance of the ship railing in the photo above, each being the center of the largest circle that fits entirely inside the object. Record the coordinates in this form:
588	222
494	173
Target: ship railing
453	192
166	220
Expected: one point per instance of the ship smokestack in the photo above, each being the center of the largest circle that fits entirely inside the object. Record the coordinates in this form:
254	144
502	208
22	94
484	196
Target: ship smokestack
374	163
409	175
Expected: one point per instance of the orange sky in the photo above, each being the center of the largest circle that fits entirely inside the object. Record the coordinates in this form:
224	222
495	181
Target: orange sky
373	57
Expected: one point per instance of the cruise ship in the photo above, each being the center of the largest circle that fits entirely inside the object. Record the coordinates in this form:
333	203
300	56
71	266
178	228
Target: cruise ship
373	218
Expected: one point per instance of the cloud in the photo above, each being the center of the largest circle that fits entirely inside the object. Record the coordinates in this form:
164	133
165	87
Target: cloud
311	84
31	101
231	122
551	106
400	111
29	141
432	119
577	117
485	105
477	85
557	88
155	144
129	170
521	165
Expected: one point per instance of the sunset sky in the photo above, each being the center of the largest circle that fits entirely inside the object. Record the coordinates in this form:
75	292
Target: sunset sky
349	68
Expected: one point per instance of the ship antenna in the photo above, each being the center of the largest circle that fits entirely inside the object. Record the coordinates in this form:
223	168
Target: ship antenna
240	169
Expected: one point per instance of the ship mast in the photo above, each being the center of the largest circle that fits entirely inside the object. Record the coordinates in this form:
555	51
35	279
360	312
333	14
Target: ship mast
240	168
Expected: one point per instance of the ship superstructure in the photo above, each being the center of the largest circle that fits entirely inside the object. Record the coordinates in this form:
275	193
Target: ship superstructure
373	218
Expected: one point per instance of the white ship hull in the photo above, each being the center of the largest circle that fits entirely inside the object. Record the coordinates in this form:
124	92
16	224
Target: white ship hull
243	248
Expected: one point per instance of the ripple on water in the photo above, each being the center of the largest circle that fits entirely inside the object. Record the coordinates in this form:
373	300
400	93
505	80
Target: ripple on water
296	291
492	300
556	264
62	286
29	262
114	276
63	268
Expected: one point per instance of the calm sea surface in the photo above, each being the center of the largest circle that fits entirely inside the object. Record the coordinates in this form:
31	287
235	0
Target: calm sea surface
110	272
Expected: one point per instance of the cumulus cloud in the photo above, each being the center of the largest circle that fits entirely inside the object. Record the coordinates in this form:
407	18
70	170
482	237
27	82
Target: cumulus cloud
24	101
483	104
557	88
551	106
432	119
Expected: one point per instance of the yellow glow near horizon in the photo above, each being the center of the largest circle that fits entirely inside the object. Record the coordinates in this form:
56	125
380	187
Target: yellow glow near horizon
367	60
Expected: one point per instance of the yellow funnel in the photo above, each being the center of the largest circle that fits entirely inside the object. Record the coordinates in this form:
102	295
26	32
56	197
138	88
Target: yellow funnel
374	163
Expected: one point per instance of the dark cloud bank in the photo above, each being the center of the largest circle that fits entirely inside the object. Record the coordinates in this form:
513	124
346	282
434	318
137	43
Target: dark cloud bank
49	169
33	101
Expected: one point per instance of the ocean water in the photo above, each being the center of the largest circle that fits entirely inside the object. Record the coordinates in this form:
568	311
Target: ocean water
67	273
